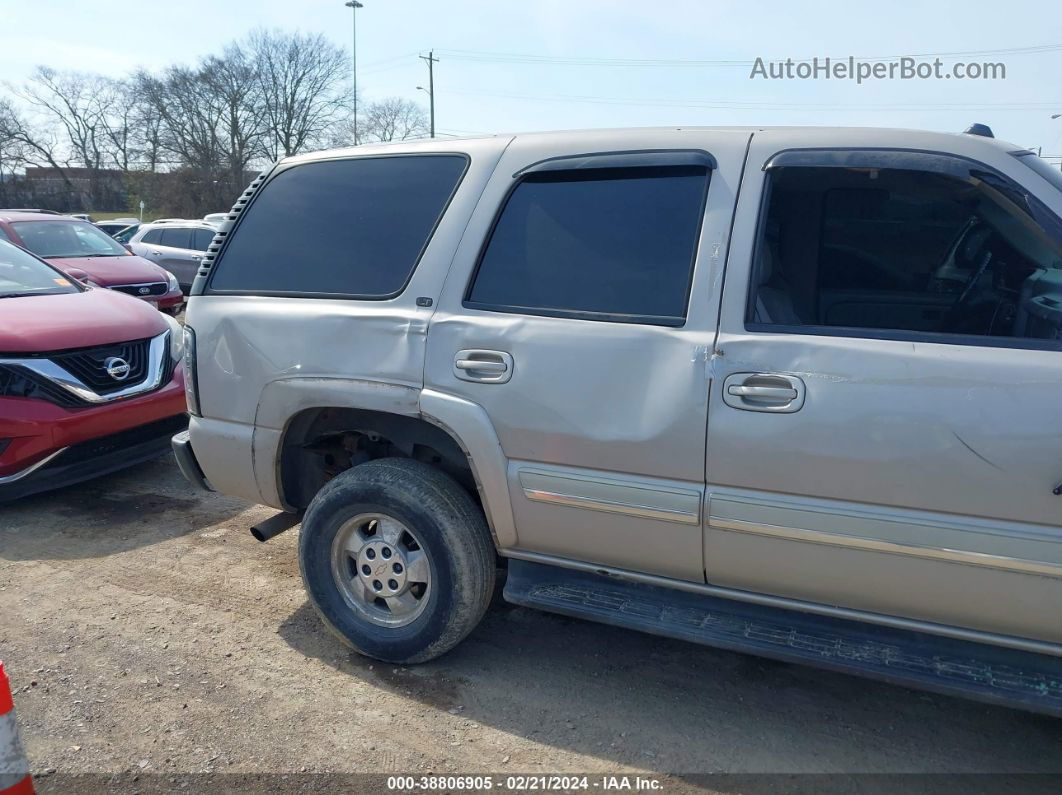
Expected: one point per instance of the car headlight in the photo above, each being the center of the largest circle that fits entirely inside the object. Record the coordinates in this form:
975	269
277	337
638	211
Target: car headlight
176	338
171	282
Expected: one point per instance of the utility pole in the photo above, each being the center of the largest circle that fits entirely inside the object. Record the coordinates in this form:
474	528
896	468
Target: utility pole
354	5
431	60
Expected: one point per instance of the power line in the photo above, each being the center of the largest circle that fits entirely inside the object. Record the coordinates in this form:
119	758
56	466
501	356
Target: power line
530	58
725	105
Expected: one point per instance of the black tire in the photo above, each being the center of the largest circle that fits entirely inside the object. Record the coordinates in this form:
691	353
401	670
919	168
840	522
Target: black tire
452	531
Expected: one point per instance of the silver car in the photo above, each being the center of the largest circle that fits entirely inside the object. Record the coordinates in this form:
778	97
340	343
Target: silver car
177	246
793	392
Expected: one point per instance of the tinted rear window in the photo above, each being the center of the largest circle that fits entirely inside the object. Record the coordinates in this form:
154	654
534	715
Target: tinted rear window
177	238
201	239
342	227
614	244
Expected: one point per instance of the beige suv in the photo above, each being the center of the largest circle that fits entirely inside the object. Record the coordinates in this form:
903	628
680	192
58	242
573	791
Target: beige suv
793	392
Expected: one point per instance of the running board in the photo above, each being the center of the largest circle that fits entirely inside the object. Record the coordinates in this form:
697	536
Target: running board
1019	679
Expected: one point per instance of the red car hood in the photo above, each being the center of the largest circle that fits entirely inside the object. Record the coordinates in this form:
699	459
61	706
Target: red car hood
109	271
40	323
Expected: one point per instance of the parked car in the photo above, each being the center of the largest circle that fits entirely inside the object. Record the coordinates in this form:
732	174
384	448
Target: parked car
125	234
90	379
177	246
78	247
116	225
792	392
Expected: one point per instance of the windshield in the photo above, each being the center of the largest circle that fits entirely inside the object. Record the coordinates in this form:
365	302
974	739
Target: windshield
67	239
22	274
125	234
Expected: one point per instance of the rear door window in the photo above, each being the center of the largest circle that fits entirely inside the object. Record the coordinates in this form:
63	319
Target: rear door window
177	238
353	228
613	244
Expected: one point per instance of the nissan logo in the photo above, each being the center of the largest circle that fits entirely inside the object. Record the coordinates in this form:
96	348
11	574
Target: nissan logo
116	368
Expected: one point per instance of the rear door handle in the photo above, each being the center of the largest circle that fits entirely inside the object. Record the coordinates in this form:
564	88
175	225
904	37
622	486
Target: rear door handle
771	392
765	392
481	366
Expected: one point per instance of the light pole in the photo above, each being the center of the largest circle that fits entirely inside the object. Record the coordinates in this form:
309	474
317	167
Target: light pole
431	104
354	5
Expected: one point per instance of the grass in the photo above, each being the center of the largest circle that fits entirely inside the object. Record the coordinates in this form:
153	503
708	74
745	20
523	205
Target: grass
112	216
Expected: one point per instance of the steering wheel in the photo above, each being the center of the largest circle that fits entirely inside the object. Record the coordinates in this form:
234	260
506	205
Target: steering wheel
973	254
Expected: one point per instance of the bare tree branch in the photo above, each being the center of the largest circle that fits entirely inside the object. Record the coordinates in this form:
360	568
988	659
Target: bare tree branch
302	81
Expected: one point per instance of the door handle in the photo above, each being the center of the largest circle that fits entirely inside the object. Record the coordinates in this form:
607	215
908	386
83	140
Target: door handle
766	392
481	366
770	392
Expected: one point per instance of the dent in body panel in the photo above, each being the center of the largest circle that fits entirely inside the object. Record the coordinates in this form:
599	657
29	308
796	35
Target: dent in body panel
603	394
246	343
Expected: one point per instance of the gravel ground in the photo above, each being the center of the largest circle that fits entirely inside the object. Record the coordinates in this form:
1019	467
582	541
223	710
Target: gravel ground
149	638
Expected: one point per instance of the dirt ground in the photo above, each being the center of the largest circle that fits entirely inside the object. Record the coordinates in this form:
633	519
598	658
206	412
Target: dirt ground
149	637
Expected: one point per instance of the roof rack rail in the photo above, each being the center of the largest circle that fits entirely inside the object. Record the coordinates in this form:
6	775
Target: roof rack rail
28	210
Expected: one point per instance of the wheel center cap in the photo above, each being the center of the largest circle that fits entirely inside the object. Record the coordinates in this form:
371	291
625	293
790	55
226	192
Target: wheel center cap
382	568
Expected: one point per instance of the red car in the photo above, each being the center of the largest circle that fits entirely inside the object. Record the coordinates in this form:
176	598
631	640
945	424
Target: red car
85	252
90	379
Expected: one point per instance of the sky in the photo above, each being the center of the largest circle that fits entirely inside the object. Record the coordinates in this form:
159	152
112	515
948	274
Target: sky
564	64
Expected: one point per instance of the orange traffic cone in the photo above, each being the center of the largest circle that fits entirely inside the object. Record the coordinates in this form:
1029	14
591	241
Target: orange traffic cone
14	767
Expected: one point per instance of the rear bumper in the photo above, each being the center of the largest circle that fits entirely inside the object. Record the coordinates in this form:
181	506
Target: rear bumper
186	461
93	458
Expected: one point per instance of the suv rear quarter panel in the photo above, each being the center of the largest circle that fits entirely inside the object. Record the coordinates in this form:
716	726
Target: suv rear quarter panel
262	359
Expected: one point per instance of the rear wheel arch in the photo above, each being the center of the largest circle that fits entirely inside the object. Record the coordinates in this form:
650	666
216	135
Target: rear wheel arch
319	443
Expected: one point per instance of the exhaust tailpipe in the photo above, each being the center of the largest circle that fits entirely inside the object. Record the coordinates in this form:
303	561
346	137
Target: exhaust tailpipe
275	525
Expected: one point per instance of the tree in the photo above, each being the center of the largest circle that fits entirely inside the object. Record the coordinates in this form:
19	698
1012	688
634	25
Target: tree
118	110
69	103
391	119
302	83
24	143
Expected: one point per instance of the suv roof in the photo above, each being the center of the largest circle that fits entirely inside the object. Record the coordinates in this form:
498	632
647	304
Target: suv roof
829	137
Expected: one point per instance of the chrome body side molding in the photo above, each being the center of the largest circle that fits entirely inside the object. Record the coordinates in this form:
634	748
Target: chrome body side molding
628	497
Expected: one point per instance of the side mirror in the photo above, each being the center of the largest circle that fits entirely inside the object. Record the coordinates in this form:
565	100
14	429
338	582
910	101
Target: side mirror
77	273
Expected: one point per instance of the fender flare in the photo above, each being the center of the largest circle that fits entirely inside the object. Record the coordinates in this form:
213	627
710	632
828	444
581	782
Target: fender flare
469	424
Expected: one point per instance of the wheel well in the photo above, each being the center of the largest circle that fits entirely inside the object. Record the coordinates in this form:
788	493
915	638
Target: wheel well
320	443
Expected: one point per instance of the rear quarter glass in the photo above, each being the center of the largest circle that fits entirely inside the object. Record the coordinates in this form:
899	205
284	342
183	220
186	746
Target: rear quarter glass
351	228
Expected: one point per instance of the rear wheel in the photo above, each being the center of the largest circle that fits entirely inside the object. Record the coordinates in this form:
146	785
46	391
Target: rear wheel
397	560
